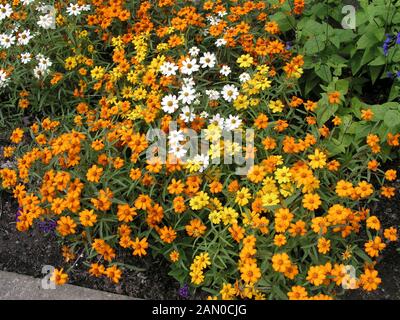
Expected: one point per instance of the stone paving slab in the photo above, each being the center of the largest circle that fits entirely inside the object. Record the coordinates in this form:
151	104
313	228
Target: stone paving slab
15	286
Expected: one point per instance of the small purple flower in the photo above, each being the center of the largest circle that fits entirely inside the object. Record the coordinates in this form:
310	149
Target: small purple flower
389	74
288	45
18	214
398	74
386	44
47	226
184	291
398	38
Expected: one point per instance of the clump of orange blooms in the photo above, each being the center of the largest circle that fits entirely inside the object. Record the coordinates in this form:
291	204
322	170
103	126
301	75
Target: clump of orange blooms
288	228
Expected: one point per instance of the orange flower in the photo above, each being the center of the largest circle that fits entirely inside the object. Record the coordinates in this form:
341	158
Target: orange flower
113	273
334	97
59	277
140	246
167	234
195	228
66	226
311	201
94	173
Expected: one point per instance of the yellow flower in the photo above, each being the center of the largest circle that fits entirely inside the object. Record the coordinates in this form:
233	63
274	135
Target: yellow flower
243	196
215	217
245	61
317	160
97	73
282	175
270	199
276	106
229	216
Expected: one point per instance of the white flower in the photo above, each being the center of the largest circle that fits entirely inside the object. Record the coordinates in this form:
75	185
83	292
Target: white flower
3	78
225	70
204	115
204	159
85	7
212	94
189	66
46	21
39	72
169	103
218	120
178	151
220	42
208	60
229	92
222	13
24	37
244	77
189	82
27	2
26	57
168	69
6	41
5	11
187	114
194	51
175	136
43	62
74	9
232	123
187	94
213	20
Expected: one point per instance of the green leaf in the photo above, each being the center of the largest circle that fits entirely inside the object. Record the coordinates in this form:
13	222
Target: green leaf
392	118
324	72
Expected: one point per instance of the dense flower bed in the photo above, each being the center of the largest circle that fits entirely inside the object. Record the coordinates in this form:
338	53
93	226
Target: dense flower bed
272	206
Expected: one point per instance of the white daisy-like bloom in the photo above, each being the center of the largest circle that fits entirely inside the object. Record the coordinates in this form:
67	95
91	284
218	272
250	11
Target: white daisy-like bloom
27	2
86	7
204	159
213	94
222	14
3	78
214	20
74	9
39	72
168	69
175	136
24	37
43	62
6	41
194	51
169	103
189	66
5	11
244	77
225	70
178	151
189	82
47	21
230	92
187	114
220	42
26	57
232	123
208	60
218	120
187	94
204	115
